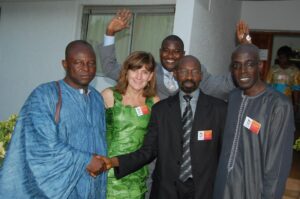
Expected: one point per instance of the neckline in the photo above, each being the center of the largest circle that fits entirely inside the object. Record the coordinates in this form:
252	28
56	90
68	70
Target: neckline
118	98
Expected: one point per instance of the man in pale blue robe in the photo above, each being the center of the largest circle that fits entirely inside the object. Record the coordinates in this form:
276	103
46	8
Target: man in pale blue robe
49	159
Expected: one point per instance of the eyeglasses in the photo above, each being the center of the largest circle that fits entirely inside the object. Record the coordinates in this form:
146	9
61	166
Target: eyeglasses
247	65
185	73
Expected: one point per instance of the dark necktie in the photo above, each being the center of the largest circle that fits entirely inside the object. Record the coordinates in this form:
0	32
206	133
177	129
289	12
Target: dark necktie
187	122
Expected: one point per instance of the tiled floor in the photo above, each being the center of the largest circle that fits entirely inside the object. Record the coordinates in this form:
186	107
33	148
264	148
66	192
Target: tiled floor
292	189
293	183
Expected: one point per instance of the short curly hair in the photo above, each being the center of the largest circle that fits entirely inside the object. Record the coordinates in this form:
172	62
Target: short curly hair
285	50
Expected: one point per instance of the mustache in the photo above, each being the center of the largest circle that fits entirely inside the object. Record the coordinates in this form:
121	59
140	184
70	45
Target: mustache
188	81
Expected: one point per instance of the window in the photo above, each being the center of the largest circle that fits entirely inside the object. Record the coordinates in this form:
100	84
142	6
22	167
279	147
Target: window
148	27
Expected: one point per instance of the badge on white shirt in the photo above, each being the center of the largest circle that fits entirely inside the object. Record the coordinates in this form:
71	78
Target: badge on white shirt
205	135
252	125
142	110
282	77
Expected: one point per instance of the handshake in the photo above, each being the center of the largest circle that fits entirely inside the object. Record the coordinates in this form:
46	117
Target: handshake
100	164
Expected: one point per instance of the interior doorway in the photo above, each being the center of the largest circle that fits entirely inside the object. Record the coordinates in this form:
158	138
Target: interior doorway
270	41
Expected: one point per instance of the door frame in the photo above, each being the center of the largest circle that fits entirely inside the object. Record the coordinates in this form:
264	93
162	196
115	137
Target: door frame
264	40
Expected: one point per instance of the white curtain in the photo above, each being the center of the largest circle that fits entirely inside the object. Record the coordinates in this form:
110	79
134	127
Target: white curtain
149	31
145	33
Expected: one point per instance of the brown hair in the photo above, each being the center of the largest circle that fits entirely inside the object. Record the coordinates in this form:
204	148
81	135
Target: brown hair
135	61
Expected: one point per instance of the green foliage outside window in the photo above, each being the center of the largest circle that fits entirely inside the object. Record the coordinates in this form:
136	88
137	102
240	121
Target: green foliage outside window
6	130
297	144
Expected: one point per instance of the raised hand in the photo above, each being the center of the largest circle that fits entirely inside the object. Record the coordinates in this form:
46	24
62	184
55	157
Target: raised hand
242	33
119	22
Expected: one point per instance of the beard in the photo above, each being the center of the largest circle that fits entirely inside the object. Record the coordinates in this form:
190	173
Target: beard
188	88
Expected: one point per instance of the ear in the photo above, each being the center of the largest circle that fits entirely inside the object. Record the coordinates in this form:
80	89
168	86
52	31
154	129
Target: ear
201	74
64	64
260	66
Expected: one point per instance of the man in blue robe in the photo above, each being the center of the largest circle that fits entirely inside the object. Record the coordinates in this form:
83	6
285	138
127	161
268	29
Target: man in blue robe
56	152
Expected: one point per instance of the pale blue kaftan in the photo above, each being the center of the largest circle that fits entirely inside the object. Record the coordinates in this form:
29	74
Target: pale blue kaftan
46	160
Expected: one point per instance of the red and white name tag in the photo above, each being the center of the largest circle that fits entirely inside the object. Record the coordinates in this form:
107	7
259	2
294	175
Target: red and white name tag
205	135
282	77
142	110
252	125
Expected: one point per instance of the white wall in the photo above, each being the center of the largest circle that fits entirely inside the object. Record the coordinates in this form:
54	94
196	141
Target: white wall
183	22
128	2
34	33
33	36
272	15
213	33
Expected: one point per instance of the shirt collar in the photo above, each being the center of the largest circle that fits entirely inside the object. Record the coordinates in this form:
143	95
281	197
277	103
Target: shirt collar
167	73
194	94
81	91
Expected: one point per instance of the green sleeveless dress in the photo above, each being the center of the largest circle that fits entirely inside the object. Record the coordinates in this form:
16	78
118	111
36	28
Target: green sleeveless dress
126	128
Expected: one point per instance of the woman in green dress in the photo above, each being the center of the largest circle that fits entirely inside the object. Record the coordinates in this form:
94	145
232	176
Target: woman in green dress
128	107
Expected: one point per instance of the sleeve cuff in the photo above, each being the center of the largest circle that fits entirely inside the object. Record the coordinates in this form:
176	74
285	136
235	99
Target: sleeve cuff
108	40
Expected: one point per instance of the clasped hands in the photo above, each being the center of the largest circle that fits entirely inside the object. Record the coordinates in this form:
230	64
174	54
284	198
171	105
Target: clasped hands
98	165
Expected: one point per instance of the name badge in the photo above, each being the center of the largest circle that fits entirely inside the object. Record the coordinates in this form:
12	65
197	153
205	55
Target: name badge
282	77
142	110
205	135
252	125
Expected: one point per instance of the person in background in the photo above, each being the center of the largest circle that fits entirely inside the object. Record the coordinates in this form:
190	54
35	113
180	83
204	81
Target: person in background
257	143
56	147
128	107
171	51
184	134
285	76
